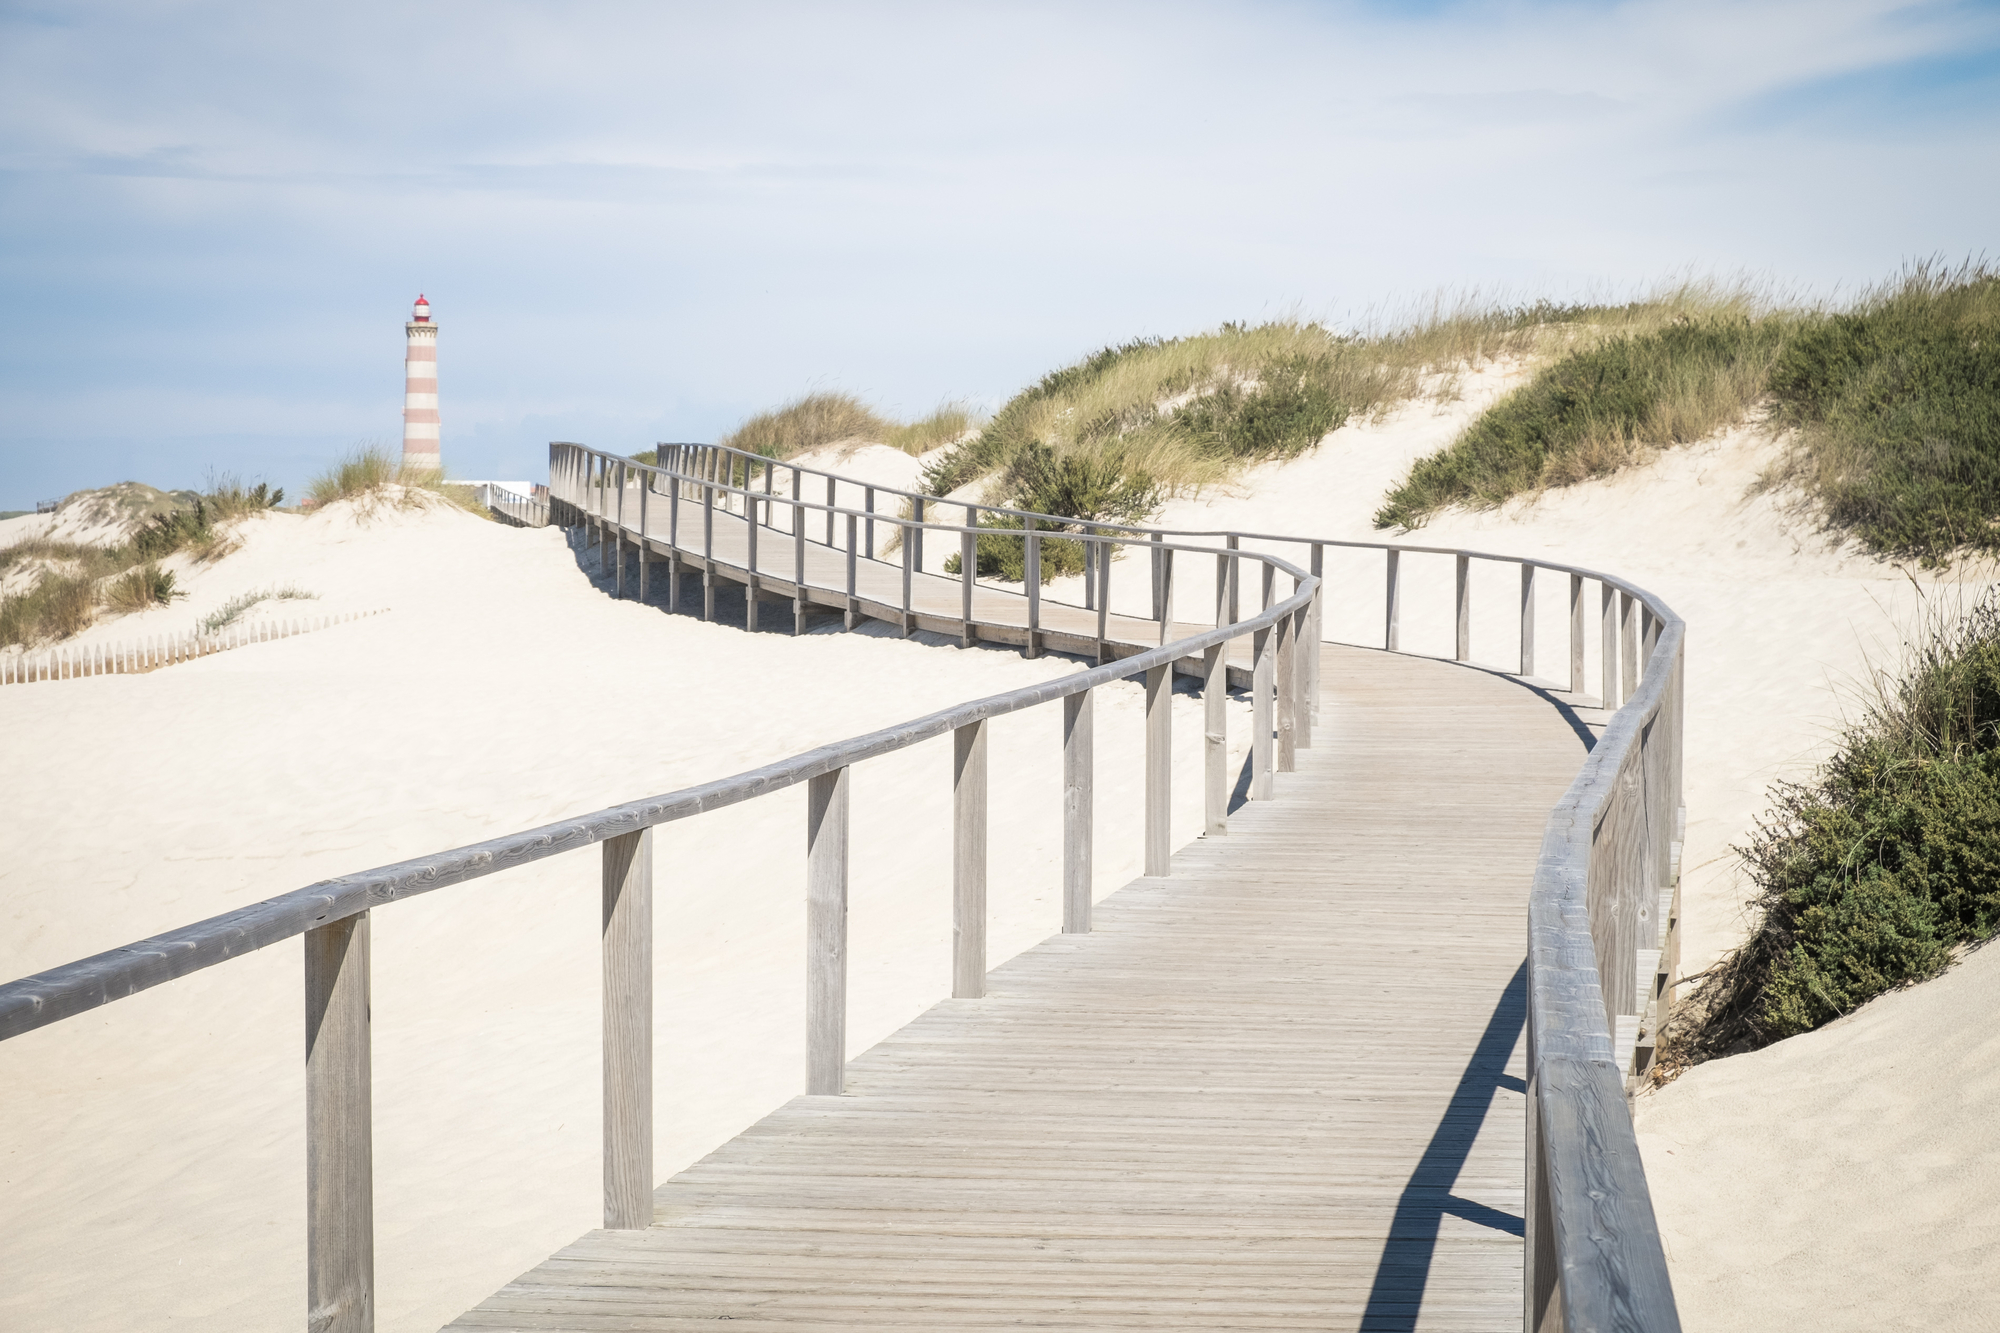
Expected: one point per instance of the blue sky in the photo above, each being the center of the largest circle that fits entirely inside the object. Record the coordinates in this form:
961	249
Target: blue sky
641	222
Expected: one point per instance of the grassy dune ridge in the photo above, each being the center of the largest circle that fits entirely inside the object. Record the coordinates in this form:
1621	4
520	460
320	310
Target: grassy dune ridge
1893	405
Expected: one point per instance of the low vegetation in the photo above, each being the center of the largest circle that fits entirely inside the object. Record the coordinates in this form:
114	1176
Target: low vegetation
820	419
1893	409
232	610
1873	873
371	476
58	587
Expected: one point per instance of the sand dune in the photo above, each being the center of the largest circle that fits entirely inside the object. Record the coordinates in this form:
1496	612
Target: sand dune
501	690
1833	1173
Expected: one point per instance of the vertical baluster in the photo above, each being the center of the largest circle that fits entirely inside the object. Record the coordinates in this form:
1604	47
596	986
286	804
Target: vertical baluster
1316	635
1104	551
1235	580
798	558
1166	593
750	574
1263	677
1576	634
1158	613
1628	647
829	512
909	556
853	611
708	549
1527	619
645	553
826	933
1463	608
618	580
968	862
1607	634
868	536
340	1170
916	534
628	1030
1031	569
968	562
1286	694
1215	740
1078	770
1393	603
770	517
1159	769
1089	576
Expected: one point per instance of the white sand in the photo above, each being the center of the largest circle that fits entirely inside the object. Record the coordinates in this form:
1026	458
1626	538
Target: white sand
152	1161
1827	1175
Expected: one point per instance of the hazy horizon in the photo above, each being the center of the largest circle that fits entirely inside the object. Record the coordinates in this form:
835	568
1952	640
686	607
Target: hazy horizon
638	223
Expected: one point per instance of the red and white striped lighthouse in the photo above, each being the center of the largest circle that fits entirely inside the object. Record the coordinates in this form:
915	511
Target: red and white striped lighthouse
420	391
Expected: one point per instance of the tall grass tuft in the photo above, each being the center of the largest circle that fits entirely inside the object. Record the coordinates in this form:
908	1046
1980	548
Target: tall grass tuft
1596	410
372	476
141	588
232	610
1870	874
1897	408
808	423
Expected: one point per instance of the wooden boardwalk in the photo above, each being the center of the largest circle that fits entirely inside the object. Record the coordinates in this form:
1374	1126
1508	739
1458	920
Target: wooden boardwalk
1280	1089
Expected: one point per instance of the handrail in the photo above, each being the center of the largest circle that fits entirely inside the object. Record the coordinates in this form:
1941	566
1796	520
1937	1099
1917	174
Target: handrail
1601	911
1593	1255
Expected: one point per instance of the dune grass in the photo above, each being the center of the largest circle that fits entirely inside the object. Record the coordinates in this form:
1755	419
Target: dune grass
77	580
1892	408
371	476
1596	410
820	419
1896	406
1872	873
232	610
1114	435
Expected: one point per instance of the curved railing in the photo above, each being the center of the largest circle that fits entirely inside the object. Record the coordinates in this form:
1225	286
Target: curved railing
1594	1258
1603	911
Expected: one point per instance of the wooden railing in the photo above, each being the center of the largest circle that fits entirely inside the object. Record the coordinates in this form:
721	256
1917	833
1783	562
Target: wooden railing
1594	1258
1603	915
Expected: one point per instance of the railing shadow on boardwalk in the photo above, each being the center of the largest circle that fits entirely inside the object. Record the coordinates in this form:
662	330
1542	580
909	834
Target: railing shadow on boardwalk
1396	1296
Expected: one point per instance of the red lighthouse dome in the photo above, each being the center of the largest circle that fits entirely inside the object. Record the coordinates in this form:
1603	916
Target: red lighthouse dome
422	314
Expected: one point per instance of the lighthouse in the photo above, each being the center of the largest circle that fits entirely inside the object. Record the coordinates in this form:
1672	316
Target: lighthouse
420	391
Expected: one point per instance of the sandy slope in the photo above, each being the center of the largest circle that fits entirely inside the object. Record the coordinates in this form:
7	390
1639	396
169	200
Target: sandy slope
151	1161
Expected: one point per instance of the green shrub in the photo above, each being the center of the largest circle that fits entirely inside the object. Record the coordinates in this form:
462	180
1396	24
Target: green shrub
1870	874
1596	410
57	606
144	587
1897	406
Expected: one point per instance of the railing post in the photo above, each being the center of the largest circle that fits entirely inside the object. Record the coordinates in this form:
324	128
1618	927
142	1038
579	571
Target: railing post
852	614
829	512
1261	671
628	1031
1159	769
1287	698
618	539
1031	570
1576	634
645	556
1315	635
1305	656
968	861
917	534
1215	740
1166	593
1090	576
1527	619
968	559
1104	550
826	933
909	558
868	503
1628	647
1158	613
1607	633
1463	607
1235	579
1393	605
798	558
340	1171
707	552
1078	799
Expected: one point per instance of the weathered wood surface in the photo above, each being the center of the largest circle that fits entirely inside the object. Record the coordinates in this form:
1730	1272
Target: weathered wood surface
1280	1089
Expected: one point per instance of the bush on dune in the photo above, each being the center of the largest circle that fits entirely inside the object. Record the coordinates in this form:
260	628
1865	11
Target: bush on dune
1870	875
370	476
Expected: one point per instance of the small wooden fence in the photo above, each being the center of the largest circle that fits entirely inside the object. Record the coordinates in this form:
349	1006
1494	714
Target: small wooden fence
129	657
1594	1257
